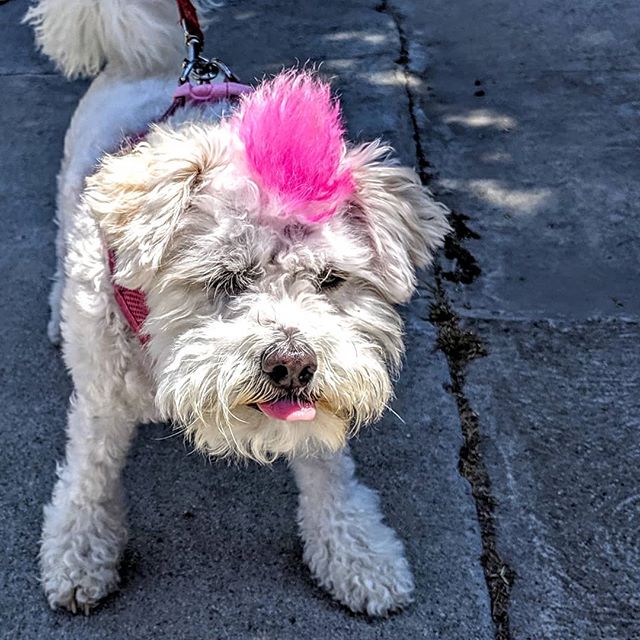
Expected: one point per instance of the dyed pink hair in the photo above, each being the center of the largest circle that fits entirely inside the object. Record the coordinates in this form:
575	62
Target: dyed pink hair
293	136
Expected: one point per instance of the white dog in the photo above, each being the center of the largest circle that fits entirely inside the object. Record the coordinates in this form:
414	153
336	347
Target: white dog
269	255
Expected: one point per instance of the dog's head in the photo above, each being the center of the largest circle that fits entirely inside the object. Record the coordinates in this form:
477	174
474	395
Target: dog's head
271	254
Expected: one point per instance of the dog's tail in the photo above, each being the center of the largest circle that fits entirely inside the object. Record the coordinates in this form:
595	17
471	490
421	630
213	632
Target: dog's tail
137	36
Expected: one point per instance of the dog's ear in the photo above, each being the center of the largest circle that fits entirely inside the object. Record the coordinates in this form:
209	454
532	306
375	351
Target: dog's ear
139	197
403	222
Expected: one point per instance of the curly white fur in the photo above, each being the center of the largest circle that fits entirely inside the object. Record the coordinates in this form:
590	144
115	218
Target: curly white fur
348	548
222	286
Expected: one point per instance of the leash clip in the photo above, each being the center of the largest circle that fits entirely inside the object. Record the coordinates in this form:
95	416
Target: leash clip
198	69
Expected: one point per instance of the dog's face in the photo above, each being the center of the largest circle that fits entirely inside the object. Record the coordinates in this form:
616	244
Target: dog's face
271	332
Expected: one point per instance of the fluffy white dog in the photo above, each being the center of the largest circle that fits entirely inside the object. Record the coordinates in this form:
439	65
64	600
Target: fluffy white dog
269	253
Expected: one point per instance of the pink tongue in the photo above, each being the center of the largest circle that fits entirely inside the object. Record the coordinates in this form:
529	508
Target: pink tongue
289	410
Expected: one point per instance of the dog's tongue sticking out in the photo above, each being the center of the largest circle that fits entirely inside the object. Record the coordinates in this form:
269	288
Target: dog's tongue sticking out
289	410
293	136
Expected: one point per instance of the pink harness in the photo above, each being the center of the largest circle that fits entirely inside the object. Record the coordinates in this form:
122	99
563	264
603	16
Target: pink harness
132	302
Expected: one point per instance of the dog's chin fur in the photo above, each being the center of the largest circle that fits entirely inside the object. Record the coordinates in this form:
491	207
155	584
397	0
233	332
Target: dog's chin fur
253	435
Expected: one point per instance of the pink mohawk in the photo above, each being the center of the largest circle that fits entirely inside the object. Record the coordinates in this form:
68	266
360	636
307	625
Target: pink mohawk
293	135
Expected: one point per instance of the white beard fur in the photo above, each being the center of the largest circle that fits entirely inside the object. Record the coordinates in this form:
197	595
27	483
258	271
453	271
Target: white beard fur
199	367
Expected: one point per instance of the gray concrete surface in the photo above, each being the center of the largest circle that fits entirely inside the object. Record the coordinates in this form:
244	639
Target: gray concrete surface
562	447
546	161
545	164
213	550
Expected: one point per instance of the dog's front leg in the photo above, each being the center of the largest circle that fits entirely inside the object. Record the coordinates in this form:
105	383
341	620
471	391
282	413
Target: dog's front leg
84	528
356	557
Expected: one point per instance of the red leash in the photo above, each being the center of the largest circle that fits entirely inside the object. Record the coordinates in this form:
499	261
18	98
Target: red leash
189	19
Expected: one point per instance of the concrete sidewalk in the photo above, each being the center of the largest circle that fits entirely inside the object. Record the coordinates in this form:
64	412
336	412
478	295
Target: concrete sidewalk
523	117
528	114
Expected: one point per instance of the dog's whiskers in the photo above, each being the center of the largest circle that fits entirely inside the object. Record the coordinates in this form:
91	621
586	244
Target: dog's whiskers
397	415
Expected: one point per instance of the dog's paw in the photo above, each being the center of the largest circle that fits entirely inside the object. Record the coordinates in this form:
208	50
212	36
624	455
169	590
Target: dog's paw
80	589
79	557
364	570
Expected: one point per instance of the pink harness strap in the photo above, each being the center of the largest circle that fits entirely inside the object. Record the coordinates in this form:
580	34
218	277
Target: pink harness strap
132	302
196	93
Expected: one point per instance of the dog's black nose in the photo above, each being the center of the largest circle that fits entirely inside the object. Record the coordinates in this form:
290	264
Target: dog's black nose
290	368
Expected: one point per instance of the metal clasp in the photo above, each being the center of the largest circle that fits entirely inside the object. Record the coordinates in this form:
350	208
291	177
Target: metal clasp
200	70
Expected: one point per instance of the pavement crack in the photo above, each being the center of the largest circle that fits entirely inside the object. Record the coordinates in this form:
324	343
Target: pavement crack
403	61
461	346
465	266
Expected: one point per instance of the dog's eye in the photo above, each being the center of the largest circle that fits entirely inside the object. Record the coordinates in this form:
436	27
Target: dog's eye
330	279
236	283
231	283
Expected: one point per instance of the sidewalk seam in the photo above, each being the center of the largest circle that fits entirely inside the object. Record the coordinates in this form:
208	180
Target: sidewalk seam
460	346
